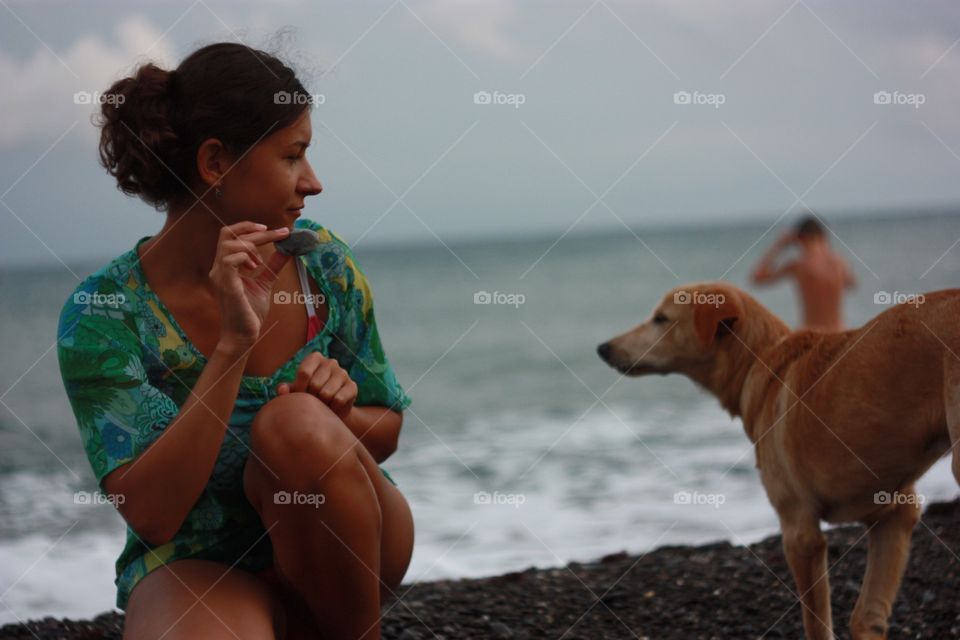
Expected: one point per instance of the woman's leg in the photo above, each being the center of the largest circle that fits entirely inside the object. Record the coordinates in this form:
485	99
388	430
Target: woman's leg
189	599
340	527
395	552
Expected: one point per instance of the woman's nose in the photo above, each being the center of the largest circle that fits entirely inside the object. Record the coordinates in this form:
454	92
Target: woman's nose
310	185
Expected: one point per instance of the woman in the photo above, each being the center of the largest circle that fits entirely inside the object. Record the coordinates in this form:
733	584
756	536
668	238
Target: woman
238	434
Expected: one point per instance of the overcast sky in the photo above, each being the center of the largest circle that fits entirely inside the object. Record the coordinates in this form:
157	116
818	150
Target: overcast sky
594	131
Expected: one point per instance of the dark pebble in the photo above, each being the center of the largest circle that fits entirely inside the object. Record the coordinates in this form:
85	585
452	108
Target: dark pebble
298	243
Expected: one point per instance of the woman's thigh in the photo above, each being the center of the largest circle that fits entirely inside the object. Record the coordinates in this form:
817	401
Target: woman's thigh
203	599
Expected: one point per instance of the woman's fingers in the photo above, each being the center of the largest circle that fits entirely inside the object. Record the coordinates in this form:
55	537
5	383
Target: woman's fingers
240	260
305	371
319	376
330	388
228	247
231	242
247	245
343	400
324	375
263	237
326	379
245	226
233	231
338	383
249	242
272	269
242	283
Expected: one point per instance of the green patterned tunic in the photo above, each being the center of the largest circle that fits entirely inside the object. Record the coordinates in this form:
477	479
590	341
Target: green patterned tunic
127	368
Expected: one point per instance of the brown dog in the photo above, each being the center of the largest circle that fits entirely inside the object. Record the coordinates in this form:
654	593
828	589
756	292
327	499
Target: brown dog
842	423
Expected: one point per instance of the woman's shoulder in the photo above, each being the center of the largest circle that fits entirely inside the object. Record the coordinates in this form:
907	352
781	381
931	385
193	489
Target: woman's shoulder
334	257
107	298
328	237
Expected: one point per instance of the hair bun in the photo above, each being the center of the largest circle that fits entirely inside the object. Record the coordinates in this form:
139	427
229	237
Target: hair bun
137	132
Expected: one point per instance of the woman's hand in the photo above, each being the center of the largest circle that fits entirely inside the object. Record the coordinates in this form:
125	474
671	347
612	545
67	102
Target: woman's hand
326	379
245	295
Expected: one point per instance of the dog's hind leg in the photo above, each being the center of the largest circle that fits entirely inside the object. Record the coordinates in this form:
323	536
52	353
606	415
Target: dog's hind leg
951	401
889	548
806	551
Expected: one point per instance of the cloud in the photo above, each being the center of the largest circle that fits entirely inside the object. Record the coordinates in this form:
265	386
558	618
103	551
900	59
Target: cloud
40	102
477	24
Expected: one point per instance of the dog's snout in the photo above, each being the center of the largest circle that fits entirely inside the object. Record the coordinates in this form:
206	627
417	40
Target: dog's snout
603	350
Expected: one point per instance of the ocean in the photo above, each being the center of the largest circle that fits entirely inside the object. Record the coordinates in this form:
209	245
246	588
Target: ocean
521	447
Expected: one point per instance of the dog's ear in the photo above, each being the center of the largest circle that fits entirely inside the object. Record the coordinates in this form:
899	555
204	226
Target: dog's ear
713	312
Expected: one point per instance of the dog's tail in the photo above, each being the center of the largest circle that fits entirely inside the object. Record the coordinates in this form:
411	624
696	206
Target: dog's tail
951	398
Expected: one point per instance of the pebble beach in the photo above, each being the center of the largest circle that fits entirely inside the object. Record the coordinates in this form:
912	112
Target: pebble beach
710	592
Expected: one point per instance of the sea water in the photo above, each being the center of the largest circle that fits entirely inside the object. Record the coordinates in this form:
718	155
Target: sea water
521	447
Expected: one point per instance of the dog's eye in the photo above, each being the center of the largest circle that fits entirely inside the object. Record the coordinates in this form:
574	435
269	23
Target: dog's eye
659	319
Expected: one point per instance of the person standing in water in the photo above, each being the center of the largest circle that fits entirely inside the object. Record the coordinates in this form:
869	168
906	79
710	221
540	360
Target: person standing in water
820	274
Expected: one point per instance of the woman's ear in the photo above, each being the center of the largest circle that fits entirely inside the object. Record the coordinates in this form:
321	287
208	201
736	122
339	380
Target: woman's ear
213	162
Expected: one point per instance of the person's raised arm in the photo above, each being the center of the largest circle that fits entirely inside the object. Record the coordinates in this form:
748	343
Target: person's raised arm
767	270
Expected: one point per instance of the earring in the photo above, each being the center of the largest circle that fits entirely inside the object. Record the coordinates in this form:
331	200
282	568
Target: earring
219	192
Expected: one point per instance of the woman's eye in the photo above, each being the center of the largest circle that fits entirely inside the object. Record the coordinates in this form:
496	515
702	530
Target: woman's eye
659	318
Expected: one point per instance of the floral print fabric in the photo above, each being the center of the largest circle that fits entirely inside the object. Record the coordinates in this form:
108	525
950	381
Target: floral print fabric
127	368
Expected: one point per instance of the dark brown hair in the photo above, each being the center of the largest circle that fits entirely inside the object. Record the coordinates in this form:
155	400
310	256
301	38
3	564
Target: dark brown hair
809	227
149	138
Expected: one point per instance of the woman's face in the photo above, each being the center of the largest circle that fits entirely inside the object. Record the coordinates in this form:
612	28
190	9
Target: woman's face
271	182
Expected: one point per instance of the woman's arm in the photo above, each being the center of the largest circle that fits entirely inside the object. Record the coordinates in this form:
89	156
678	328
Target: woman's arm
163	483
377	428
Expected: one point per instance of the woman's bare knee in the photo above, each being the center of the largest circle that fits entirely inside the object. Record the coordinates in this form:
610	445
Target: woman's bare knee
297	433
291	406
202	599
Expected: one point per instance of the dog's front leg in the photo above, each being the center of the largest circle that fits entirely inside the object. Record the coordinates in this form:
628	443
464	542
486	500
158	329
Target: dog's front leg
886	560
806	551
